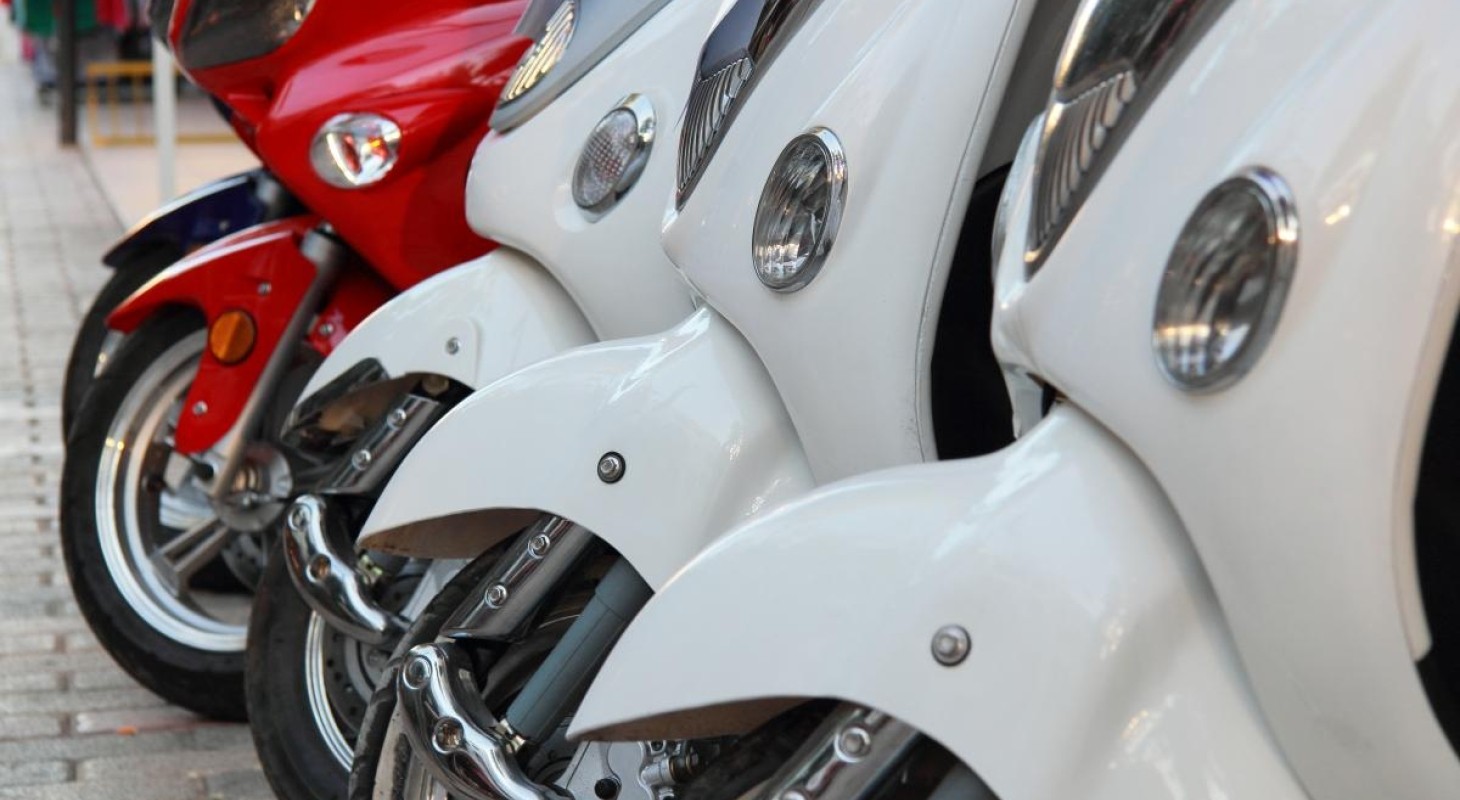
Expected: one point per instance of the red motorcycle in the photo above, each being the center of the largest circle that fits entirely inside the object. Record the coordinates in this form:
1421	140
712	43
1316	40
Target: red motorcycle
366	114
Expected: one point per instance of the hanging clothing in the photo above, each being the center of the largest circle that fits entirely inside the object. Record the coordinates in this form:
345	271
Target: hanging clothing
115	14
37	17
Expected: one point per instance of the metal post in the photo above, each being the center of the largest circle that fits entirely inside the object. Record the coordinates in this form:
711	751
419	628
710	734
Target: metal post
66	67
164	120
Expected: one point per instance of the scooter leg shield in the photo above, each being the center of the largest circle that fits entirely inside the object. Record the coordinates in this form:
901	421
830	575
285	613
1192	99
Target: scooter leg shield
1039	612
656	445
473	323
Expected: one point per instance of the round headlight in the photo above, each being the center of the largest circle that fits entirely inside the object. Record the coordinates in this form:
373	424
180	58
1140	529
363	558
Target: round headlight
354	150
800	210
1225	282
614	155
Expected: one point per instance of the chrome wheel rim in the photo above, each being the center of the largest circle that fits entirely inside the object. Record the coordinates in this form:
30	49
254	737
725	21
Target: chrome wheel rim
320	708
137	555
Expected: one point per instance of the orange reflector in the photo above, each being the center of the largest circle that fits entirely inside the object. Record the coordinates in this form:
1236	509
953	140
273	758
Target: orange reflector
231	338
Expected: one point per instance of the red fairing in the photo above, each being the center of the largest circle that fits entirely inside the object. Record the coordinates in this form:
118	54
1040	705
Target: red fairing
260	271
356	295
434	68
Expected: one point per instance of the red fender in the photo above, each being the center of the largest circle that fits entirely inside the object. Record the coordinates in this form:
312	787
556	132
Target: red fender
263	272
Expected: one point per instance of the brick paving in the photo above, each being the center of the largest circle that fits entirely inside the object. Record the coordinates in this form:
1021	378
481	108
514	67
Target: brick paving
72	724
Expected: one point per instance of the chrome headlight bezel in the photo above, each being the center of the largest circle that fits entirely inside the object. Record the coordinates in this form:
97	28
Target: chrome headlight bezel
1117	57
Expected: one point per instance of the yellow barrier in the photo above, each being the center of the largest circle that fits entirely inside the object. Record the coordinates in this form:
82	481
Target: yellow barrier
104	118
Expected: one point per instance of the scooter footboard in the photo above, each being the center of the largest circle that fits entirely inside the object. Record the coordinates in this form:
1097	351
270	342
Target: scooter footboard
657	445
473	323
1097	663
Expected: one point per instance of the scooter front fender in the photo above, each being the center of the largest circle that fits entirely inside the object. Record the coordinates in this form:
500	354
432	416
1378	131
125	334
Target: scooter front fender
702	436
473	323
1099	664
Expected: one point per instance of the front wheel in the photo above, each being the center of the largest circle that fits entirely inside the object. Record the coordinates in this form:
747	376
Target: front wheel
380	747
308	684
491	677
138	530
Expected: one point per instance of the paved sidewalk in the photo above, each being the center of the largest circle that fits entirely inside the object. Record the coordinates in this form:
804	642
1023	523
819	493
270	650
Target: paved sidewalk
72	725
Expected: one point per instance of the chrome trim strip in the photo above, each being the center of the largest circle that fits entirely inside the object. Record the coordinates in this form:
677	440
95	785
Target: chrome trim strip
710	106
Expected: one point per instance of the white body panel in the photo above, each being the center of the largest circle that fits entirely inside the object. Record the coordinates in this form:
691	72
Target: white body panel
912	88
1100	667
519	190
610	266
1296	483
473	323
697	475
706	441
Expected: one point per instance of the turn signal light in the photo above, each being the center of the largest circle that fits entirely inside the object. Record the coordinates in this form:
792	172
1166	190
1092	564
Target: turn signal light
800	210
355	150
1225	282
231	337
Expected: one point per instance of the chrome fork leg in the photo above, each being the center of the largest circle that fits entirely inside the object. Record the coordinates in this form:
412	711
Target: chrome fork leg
320	554
449	726
328	579
455	734
500	607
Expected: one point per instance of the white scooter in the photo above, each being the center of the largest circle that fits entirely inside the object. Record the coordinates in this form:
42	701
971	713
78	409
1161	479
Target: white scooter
1223	564
580	261
657	445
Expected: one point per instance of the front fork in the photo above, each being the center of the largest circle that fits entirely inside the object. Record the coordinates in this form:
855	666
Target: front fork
328	254
461	741
467	747
318	546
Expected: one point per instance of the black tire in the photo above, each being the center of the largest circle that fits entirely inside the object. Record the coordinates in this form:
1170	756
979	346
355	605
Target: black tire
298	756
207	681
81	366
